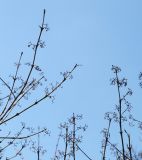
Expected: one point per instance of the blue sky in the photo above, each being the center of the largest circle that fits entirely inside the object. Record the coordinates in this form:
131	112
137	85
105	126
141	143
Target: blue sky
93	33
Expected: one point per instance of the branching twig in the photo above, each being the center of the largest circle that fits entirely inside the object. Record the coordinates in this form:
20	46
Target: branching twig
106	140
24	137
120	114
41	99
129	145
118	150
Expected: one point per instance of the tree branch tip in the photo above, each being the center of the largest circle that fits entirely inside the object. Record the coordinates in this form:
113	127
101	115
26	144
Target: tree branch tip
44	11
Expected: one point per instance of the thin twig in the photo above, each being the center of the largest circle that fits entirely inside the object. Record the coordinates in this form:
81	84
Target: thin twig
106	140
24	137
41	99
33	63
86	155
118	150
120	115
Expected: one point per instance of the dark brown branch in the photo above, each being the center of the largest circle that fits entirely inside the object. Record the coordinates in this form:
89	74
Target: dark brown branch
4	138
7	86
106	140
118	150
66	144
33	63
11	142
17	153
24	137
74	137
120	114
22	95
86	155
4	98
41	99
14	80
129	145
55	154
38	148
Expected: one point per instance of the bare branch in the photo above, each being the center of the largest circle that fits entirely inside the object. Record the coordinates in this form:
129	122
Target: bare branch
24	137
41	99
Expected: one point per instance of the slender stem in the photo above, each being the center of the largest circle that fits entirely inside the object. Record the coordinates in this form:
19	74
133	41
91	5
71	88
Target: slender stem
66	144
55	155
24	137
86	155
12	141
118	150
129	145
106	140
120	116
14	80
38	148
22	95
41	99
16	154
31	69
74	156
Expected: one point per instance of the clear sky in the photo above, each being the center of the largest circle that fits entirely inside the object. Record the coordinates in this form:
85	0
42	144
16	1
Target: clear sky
93	33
